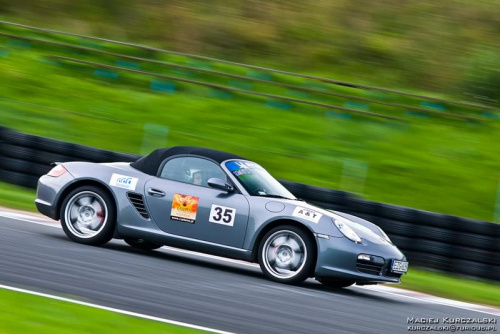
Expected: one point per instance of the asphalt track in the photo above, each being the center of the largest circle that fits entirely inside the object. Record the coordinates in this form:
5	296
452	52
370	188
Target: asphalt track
203	291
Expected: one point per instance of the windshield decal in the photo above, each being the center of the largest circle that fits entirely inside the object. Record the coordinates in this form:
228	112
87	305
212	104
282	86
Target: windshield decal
241	165
307	214
241	172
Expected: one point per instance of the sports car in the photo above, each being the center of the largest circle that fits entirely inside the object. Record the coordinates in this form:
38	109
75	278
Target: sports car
218	203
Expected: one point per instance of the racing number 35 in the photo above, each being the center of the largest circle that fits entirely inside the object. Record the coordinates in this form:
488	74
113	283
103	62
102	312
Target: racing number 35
222	215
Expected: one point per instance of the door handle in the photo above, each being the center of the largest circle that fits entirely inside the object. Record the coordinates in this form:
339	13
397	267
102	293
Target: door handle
156	192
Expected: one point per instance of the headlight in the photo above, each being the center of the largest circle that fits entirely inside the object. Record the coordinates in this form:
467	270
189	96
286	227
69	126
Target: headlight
386	237
342	225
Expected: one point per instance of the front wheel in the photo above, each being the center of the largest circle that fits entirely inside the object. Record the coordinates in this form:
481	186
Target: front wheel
287	254
142	244
88	216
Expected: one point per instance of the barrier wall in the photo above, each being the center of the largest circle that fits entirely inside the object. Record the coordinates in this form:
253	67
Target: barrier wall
429	239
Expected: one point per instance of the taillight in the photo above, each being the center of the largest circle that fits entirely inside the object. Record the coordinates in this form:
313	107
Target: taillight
57	171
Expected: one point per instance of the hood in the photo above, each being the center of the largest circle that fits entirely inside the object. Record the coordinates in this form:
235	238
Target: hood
363	228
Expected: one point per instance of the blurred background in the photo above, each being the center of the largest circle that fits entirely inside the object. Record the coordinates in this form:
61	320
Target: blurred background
392	101
427	150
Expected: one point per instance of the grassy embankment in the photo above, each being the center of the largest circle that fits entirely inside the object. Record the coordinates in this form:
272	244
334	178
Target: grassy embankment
25	313
434	164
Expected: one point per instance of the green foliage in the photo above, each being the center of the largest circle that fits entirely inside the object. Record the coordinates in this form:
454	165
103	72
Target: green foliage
433	164
415	45
482	77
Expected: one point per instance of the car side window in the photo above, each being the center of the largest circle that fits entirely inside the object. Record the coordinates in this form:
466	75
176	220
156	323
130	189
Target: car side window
192	170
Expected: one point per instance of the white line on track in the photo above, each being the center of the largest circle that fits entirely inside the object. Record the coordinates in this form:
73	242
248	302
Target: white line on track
432	299
25	217
29	218
111	309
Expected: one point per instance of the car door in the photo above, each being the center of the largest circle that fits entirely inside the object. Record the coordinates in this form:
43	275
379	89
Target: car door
181	204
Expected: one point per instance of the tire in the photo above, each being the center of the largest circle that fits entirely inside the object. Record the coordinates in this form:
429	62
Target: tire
335	284
88	216
142	244
292	248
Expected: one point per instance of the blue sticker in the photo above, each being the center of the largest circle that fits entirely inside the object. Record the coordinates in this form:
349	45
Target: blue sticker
243	166
234	165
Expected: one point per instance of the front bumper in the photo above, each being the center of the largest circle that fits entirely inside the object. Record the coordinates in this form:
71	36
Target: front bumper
338	260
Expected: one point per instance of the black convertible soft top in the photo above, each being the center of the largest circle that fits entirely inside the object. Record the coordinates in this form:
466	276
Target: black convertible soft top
150	163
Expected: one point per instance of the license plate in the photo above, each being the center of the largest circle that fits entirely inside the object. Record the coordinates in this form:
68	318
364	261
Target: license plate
400	267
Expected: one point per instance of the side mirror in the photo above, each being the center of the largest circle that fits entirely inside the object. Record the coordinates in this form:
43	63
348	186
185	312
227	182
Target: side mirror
220	184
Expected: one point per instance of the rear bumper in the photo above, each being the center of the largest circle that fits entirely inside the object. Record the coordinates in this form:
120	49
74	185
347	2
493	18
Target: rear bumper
338	260
45	208
48	192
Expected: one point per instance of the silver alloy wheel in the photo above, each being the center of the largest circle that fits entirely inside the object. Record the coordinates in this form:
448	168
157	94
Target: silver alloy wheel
284	254
86	214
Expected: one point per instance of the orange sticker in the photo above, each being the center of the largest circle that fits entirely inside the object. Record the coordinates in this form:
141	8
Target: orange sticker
184	208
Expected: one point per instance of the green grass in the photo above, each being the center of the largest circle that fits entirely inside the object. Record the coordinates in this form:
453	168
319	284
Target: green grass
16	197
25	313
434	164
452	287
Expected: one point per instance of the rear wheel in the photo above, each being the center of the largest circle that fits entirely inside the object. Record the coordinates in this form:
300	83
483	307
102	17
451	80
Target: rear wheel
88	216
287	254
142	244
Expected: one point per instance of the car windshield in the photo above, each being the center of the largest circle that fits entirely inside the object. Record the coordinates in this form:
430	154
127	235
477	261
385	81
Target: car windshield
256	180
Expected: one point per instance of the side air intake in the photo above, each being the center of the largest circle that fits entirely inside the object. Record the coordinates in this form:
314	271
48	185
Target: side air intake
138	202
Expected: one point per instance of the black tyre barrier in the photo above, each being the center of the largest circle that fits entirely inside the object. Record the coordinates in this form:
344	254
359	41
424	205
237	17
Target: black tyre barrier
397	212
365	216
65	151
328	206
31	154
93	154
494	273
3	129
391	226
433	247
20	179
18	138
428	239
38	143
474	269
475	254
434	233
403	243
429	260
297	189
433	219
476	227
330	196
356	204
477	241
123	157
24	167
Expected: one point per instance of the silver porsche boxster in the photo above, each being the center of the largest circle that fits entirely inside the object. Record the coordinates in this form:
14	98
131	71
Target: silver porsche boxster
219	203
